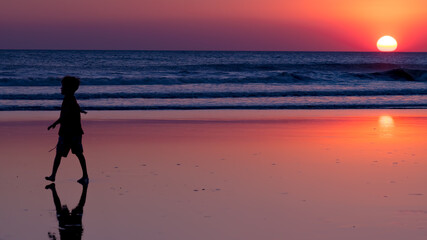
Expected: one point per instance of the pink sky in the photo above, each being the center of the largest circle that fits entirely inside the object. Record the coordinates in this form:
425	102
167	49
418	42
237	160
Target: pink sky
305	25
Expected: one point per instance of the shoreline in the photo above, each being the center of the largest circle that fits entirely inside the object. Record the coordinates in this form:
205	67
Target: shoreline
213	115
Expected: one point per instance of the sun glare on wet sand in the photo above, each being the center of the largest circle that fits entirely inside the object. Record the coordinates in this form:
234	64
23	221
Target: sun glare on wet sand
386	121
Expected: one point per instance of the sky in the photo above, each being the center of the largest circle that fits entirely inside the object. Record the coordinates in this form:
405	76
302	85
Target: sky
260	25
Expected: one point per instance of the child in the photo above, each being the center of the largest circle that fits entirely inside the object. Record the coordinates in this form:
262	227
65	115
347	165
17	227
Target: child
70	131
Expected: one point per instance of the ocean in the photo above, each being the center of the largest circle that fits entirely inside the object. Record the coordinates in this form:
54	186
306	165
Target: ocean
142	80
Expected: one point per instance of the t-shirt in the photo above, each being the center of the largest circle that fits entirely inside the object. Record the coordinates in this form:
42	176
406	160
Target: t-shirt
70	117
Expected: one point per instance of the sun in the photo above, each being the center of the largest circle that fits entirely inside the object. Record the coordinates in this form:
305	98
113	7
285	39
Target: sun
387	44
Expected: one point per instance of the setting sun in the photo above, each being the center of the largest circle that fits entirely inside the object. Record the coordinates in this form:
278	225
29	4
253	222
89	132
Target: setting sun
387	44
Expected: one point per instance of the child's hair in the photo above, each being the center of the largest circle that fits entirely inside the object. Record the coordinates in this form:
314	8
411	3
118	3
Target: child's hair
71	83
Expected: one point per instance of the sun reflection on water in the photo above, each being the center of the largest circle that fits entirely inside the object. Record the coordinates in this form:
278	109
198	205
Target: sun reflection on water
386	124
386	121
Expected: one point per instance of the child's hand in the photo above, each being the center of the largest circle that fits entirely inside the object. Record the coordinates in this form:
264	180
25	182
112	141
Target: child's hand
83	111
51	126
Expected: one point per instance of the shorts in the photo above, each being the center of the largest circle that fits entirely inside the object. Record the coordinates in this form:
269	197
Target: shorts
70	142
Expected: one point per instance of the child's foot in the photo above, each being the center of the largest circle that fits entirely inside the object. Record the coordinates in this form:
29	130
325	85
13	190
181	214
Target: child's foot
50	186
50	178
83	180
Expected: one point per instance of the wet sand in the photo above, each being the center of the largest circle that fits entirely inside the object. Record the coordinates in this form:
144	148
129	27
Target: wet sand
330	174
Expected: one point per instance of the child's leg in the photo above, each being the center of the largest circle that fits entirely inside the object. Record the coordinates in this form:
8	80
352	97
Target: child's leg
56	163
82	161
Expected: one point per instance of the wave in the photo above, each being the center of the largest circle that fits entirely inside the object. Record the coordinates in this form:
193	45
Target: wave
282	77
200	95
250	67
187	107
400	74
303	66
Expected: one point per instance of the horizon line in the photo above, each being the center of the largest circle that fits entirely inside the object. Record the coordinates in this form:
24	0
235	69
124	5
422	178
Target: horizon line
187	50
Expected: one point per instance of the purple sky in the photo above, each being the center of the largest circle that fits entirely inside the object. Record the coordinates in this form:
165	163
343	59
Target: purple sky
306	25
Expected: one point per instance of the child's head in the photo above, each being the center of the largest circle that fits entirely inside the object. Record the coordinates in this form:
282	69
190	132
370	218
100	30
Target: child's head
69	85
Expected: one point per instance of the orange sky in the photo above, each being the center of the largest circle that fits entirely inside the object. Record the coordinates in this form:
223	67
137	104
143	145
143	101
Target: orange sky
328	25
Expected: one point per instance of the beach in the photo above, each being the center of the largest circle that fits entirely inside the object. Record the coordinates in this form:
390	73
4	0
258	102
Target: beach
222	174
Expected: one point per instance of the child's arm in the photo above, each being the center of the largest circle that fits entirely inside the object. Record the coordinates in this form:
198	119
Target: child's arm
54	124
81	110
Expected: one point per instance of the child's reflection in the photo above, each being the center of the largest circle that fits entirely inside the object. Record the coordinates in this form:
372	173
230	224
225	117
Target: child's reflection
70	223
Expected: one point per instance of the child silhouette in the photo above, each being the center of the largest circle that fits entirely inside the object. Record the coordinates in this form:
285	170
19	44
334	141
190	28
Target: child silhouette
70	132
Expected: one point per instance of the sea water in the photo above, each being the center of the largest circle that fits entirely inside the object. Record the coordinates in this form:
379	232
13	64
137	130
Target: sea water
129	80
